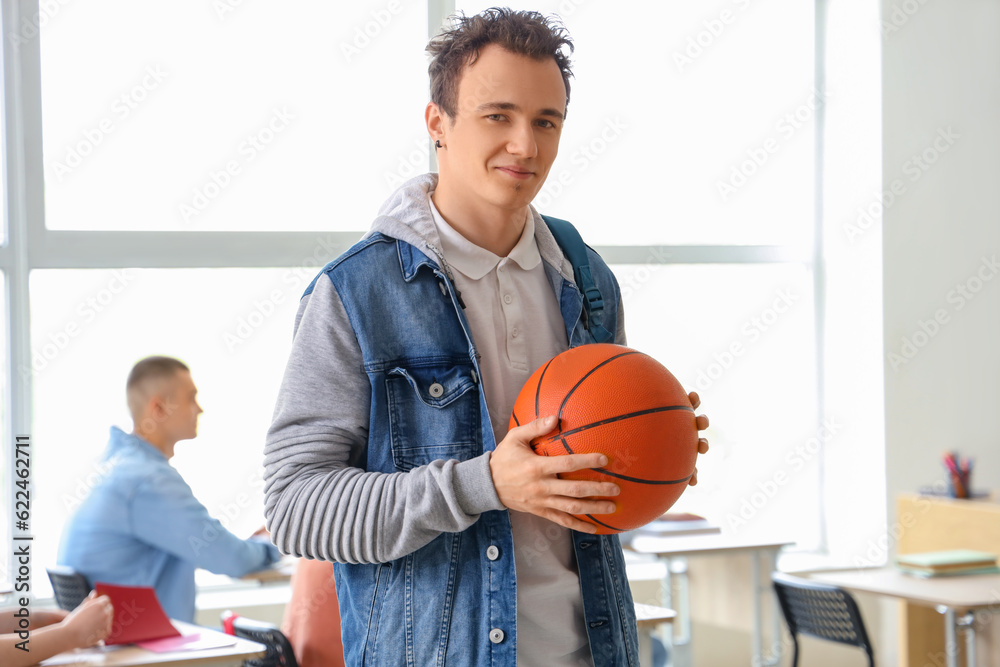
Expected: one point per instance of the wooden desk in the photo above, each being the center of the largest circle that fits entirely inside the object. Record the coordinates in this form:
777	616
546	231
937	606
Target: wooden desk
648	618
133	656
763	555
279	573
948	595
934	523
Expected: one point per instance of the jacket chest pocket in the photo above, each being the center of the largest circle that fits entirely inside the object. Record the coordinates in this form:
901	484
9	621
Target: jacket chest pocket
433	413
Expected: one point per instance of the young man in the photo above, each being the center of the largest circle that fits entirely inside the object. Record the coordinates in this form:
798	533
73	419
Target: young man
141	525
389	452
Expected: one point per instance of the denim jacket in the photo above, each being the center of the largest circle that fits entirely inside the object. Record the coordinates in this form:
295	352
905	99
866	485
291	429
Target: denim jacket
448	596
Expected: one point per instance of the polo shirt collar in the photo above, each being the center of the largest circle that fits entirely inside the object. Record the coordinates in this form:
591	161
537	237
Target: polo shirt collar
475	262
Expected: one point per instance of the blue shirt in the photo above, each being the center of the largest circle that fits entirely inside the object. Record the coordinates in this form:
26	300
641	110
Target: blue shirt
142	526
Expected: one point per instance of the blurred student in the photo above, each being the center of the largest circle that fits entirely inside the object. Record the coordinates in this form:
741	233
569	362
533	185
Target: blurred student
141	524
53	631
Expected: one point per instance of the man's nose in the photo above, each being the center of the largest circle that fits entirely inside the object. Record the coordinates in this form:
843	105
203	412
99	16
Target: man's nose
522	141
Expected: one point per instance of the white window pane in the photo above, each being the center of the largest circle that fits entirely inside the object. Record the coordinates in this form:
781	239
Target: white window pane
273	116
648	141
742	336
6	469
232	327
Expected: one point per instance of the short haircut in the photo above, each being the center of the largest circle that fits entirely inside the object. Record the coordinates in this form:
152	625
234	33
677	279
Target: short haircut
147	370
522	32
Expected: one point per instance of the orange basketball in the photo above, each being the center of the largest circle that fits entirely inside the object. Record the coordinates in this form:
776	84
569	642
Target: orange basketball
624	404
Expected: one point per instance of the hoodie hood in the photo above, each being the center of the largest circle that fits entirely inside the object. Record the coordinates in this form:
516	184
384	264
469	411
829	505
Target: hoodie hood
406	215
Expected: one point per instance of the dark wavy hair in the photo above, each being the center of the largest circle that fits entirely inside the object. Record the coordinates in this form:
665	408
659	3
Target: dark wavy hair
522	32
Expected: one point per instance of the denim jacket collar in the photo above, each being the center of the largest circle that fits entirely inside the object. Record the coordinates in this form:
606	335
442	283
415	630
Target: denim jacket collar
406	216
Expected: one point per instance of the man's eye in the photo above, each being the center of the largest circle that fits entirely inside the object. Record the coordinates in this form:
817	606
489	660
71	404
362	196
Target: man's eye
495	116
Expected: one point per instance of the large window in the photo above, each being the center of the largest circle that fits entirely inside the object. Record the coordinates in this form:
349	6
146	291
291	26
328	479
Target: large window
689	123
231	116
171	159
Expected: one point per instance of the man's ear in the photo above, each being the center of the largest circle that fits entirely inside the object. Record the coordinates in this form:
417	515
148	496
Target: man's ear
437	120
156	407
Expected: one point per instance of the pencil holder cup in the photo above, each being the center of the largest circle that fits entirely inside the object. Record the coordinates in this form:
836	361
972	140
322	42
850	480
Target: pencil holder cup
958	485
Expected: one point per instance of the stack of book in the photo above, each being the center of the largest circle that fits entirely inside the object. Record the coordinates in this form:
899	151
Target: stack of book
948	563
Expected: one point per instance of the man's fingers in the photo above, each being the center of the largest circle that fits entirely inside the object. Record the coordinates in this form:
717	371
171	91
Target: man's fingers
695	399
702	422
579	488
534	429
702	446
571	522
582	506
553	465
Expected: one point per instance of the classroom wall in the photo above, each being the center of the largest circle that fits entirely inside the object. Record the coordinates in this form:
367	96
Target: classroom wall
941	239
941	271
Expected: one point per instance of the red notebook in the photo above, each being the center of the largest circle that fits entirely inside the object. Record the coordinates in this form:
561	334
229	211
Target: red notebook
138	614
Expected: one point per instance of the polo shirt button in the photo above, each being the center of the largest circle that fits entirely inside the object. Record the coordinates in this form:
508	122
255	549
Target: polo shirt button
507	298
496	635
492	552
436	390
514	332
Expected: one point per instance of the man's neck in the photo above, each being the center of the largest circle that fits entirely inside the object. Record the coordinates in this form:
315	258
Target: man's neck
497	230
165	446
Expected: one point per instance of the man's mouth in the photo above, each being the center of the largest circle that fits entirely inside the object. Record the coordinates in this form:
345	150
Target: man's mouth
516	172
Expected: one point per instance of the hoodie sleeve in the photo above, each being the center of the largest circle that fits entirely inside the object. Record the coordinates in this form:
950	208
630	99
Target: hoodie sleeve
319	502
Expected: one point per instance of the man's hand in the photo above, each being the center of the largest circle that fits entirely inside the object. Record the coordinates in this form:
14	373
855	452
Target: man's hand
702	423
527	482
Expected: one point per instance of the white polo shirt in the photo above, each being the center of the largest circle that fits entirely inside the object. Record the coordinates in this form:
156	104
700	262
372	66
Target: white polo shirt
517	326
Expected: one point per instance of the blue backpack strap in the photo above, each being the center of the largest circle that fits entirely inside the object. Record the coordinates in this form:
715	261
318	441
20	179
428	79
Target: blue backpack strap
572	245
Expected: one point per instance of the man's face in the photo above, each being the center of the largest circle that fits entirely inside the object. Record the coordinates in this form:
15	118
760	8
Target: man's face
181	407
505	135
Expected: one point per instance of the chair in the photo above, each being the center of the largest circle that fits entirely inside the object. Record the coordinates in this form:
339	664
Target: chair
69	586
820	610
279	650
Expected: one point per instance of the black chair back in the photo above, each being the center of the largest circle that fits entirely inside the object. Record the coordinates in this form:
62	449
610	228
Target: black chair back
820	610
279	650
69	586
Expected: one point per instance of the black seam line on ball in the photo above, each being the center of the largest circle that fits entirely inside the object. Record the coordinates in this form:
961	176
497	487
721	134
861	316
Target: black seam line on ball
611	420
538	387
639	480
588	374
606	525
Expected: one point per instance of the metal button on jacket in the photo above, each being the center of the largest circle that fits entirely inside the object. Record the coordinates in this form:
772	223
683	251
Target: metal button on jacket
496	635
492	552
436	390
